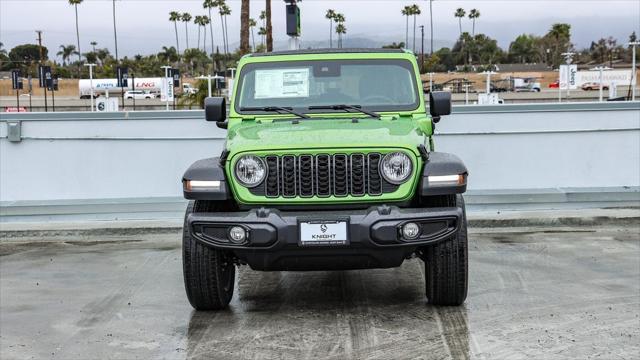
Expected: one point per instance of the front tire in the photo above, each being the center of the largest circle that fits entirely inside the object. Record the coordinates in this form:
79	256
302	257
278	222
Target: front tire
209	274
446	266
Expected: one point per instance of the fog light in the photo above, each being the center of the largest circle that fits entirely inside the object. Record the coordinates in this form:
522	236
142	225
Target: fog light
410	231
237	234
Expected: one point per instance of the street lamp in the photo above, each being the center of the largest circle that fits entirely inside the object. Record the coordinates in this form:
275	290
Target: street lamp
601	69
633	69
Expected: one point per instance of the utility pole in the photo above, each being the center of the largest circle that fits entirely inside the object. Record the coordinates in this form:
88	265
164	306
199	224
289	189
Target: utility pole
41	63
633	69
422	49
431	23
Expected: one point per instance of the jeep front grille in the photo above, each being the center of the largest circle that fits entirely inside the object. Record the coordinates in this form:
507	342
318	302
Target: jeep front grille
323	175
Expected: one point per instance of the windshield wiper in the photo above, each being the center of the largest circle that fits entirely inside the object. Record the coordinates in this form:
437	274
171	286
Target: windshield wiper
276	109
346	107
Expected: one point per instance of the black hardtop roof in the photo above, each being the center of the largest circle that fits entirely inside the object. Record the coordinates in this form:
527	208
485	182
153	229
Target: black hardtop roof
330	51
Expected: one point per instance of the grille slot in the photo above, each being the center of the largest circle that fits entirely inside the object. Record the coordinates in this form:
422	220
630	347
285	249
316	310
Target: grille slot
272	186
288	176
323	175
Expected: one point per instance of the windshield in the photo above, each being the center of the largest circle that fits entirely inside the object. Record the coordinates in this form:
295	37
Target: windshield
378	85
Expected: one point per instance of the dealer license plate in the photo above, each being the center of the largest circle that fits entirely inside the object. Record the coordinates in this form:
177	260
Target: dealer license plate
323	233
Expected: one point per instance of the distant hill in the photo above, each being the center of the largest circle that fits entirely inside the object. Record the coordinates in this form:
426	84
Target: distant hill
363	41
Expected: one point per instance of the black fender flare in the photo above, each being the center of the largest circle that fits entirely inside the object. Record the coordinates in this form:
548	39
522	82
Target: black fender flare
442	164
210	169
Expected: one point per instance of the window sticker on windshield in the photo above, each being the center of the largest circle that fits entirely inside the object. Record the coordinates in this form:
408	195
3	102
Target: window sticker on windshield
282	83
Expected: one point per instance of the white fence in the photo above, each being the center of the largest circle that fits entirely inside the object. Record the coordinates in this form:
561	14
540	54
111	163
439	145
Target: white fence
88	161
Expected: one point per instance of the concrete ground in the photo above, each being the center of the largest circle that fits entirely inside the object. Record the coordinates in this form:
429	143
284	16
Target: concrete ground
555	292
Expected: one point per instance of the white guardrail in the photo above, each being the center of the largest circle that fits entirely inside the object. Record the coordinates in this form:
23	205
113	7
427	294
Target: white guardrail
129	164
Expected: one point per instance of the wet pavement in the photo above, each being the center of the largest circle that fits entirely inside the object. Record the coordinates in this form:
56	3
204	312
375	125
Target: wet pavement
555	293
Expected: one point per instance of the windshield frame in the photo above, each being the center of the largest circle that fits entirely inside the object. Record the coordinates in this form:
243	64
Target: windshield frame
403	62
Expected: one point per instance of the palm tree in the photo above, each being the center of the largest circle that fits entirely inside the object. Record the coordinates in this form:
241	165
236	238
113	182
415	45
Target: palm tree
198	21
205	21
186	18
244	27
225	10
340	30
75	4
406	11
66	52
174	17
415	11
93	45
252	24
473	15
269	27
210	4
263	16
262	32
219	4
330	15
460	13
115	33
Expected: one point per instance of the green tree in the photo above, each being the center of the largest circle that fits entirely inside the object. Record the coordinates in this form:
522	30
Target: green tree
523	49
91	57
174	17
330	15
473	15
186	18
75	4
558	41
66	52
168	55
460	13
394	45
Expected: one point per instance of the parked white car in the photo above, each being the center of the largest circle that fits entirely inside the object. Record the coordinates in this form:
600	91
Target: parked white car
138	94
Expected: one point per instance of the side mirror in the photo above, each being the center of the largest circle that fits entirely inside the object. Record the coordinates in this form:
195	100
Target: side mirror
439	104
215	109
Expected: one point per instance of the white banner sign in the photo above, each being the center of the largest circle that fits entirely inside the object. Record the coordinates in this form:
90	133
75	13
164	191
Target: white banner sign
568	77
166	92
620	77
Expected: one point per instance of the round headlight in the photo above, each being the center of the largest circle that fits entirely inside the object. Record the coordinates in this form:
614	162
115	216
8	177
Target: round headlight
396	167
250	170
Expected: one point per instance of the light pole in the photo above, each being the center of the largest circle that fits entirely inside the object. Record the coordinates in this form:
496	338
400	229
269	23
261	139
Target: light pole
91	83
601	69
431	24
422	49
633	69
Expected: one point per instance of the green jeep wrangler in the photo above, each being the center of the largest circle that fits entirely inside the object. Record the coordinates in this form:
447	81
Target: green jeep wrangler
329	164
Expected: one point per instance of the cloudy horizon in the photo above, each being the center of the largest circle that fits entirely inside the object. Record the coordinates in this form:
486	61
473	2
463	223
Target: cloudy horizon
143	25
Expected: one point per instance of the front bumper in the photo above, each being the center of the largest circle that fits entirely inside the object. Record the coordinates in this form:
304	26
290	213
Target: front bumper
374	236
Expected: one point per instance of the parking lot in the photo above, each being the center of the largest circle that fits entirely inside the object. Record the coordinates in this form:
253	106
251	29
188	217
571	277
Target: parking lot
534	293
